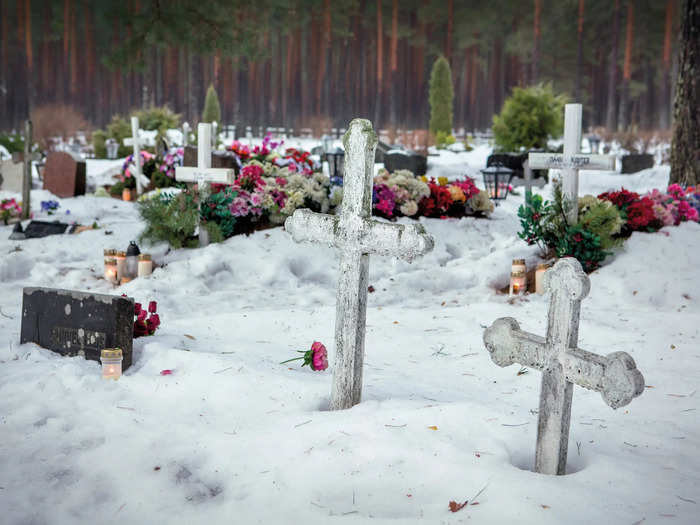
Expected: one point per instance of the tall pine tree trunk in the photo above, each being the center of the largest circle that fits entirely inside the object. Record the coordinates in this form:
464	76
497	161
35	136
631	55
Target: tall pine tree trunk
610	119
536	46
380	63
685	148
623	122
579	52
665	105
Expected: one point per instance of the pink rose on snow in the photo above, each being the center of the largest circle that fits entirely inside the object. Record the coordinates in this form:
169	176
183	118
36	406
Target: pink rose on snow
319	360
316	357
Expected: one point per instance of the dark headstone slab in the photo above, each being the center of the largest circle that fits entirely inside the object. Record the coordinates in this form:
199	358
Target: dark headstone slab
77	323
637	162
219	159
406	160
64	174
515	162
38	229
382	149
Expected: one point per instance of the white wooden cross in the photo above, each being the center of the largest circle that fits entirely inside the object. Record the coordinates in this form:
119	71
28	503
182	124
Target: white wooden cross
135	141
355	235
203	175
562	363
571	161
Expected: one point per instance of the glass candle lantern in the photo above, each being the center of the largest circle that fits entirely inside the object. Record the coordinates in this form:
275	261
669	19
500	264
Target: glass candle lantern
518	283
111	271
145	265
132	260
518	265
111	363
539	278
120	257
126	194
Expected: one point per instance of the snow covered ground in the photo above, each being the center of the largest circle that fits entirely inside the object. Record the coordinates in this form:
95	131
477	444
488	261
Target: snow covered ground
232	436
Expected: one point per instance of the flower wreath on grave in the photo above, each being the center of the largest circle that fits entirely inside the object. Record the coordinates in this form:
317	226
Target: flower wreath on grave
147	321
603	221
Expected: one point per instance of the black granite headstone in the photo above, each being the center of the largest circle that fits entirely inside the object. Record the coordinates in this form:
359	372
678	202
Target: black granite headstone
637	162
78	323
38	229
406	160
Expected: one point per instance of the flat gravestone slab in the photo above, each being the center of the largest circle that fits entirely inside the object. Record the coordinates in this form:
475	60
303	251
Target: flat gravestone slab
38	229
11	175
637	162
219	159
64	174
78	323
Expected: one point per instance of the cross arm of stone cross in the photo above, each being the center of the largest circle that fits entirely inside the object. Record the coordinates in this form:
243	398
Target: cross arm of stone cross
210	175
397	240
615	376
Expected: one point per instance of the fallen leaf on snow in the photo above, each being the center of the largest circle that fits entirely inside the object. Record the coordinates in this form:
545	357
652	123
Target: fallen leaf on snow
433	427
454	506
545	506
188	336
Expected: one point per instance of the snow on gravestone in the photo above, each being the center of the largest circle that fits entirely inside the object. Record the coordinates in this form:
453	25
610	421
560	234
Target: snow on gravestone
562	363
355	235
77	323
11	175
64	174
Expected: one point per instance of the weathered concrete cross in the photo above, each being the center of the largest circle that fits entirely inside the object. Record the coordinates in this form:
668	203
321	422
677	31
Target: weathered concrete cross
562	364
355	235
204	174
571	161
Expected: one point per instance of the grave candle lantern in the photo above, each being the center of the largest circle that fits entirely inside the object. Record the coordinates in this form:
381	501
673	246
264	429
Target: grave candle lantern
132	260
111	271
518	265
497	180
539	278
145	265
518	283
120	257
111	363
126	194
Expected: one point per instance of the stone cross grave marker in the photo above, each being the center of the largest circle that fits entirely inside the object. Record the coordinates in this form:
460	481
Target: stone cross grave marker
355	235
571	161
203	175
562	363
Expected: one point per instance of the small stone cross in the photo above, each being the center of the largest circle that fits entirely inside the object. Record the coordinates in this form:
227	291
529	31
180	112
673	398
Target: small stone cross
355	235
203	175
571	161
562	363
135	141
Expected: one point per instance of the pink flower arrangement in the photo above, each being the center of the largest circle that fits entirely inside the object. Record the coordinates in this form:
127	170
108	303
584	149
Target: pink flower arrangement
9	209
126	167
316	357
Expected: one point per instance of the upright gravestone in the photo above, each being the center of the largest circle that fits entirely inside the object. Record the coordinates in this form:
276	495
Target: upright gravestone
64	174
397	159
562	363
11	175
77	323
204	174
355	235
571	161
135	141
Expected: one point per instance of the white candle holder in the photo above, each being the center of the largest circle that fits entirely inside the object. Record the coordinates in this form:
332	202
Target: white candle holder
111	363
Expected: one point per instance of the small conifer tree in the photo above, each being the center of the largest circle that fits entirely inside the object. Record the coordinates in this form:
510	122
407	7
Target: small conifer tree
441	97
212	110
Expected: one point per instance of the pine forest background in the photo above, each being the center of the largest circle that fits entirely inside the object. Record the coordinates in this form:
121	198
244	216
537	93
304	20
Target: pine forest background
313	63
